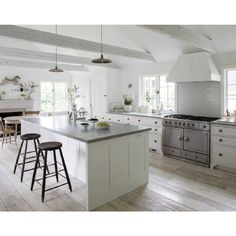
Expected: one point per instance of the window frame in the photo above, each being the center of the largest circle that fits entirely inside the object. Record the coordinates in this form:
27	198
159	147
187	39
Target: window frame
225	86
53	86
158	76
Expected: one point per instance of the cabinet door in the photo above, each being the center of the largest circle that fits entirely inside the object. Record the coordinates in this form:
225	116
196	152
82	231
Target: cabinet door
196	141
173	137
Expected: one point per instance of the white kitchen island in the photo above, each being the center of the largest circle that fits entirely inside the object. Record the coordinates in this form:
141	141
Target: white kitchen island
110	162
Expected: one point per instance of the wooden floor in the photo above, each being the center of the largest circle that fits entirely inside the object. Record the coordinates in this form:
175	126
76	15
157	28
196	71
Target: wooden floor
173	186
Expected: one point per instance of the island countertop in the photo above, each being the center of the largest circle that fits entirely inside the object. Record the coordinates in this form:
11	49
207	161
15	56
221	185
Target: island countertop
62	125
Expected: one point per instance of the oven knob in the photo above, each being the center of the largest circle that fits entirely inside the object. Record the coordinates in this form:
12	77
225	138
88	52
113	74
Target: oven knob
188	124
192	125
183	124
169	122
175	123
204	126
166	121
179	123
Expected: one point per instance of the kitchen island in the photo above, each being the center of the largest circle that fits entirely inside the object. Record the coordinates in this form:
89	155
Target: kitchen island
109	162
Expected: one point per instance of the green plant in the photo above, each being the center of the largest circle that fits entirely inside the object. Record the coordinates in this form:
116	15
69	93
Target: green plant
73	94
147	96
128	100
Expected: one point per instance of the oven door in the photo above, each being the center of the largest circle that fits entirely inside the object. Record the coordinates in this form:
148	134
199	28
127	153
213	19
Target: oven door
173	137
196	141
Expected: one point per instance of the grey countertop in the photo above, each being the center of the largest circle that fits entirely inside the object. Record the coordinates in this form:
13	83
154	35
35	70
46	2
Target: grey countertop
151	115
226	121
62	125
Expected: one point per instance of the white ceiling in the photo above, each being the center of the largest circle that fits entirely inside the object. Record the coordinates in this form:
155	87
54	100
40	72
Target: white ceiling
162	47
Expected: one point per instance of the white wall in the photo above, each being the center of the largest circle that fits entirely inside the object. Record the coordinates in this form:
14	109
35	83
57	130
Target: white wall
37	75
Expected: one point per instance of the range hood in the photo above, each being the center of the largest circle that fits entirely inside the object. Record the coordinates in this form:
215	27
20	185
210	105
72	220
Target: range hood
194	67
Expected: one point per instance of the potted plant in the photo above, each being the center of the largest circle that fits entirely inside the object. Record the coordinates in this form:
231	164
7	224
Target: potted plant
23	96
128	101
2	93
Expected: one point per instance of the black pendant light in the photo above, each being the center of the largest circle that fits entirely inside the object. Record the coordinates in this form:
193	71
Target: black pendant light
56	69
101	59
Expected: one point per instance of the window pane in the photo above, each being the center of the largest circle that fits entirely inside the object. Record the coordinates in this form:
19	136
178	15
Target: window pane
231	77
46	96
60	96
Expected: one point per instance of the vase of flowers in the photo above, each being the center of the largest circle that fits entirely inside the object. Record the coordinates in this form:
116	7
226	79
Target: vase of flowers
27	89
148	99
1	94
128	102
73	95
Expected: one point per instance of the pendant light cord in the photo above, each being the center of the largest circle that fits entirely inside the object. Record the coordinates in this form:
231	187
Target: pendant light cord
56	47
101	39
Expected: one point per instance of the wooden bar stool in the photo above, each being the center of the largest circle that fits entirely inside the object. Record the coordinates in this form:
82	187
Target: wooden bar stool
51	146
25	139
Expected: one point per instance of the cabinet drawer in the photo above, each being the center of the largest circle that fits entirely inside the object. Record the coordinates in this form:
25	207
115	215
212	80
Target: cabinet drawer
155	142
196	157
172	151
156	130
224	131
128	120
225	155
148	121
224	140
114	118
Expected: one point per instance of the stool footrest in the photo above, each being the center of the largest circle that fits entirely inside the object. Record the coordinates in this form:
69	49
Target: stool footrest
56	187
50	175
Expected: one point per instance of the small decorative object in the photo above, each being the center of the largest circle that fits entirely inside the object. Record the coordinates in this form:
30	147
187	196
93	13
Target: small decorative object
93	121
128	101
23	96
103	125
148	98
73	95
14	81
84	125
2	93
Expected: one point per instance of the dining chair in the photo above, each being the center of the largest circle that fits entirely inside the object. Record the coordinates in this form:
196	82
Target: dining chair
6	133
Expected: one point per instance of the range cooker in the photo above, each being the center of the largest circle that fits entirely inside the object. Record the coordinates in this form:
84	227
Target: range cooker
187	138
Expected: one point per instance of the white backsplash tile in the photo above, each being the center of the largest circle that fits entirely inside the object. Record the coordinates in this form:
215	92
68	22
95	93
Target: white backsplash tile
199	98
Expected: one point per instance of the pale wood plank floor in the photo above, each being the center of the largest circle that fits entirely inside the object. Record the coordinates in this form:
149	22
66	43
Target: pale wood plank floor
173	186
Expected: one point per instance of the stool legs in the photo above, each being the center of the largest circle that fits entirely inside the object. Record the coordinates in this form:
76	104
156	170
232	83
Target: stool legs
23	165
44	175
65	169
35	170
18	156
55	163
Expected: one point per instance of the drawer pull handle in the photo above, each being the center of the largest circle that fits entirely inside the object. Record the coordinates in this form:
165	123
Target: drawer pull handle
118	120
155	141
109	119
220	130
196	157
220	154
155	129
155	122
220	140
127	118
138	120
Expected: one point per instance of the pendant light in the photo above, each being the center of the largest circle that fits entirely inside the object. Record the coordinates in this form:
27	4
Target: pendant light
101	59
56	69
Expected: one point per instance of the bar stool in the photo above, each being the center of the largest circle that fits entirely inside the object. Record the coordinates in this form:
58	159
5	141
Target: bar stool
25	139
50	146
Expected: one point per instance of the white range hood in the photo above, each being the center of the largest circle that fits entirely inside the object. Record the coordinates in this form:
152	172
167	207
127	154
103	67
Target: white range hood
194	67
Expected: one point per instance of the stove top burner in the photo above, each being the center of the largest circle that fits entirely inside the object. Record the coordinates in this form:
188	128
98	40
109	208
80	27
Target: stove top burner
195	118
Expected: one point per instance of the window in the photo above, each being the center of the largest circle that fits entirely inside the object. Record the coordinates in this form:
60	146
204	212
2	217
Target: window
53	96
230	89
156	92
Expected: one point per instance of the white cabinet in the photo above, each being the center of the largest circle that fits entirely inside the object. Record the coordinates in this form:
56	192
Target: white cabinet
105	89
155	135
223	143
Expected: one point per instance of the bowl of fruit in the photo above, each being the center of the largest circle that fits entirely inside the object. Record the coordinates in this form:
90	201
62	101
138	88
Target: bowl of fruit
102	125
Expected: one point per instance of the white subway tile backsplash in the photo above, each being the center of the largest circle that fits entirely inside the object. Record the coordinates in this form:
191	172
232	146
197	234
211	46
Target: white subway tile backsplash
199	98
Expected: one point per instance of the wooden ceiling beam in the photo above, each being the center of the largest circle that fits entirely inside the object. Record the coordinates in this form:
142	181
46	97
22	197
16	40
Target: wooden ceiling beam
46	56
183	34
42	37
